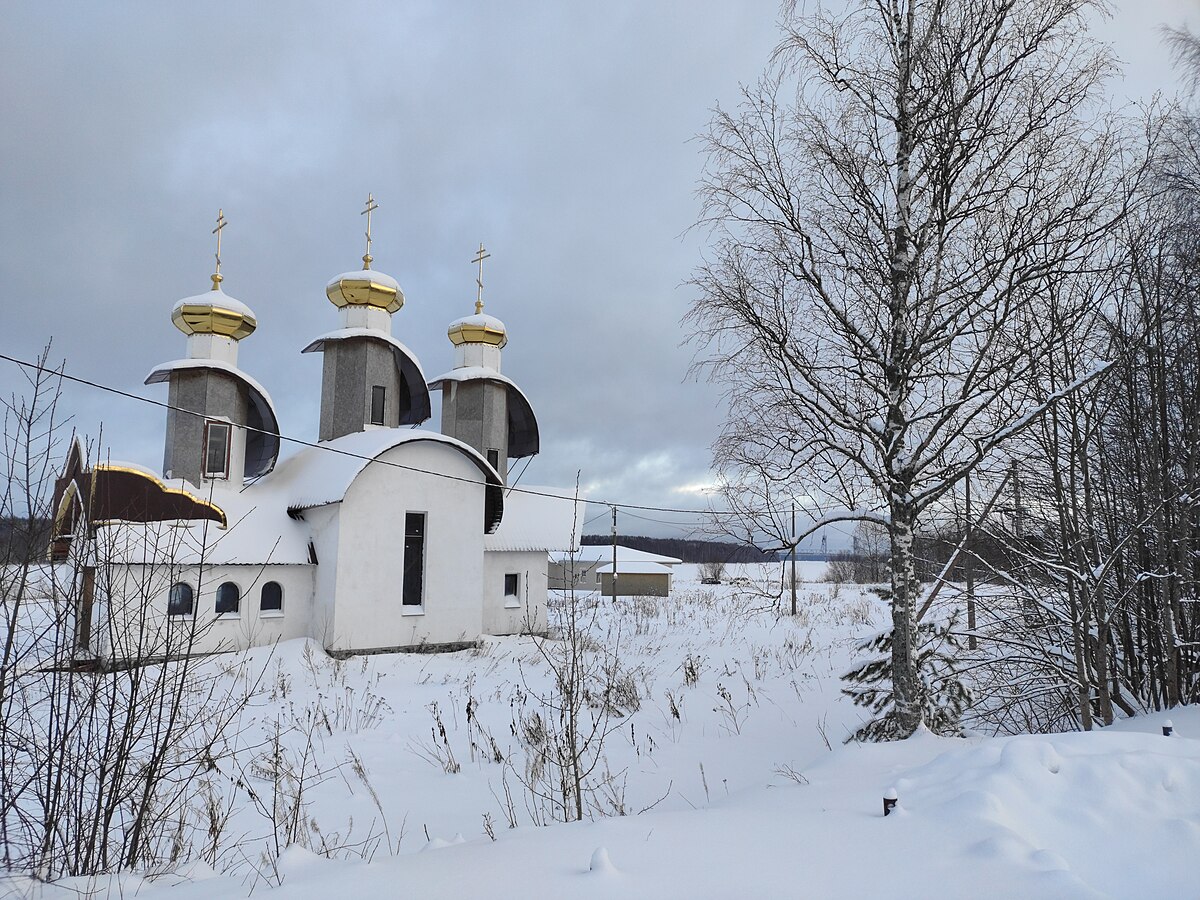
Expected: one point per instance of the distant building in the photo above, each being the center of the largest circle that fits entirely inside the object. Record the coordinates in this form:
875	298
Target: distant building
584	570
636	579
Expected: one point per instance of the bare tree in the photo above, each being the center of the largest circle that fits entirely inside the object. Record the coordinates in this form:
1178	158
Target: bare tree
99	766
889	205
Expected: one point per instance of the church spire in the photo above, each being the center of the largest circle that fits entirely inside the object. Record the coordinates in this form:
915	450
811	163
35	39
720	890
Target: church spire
371	207
480	256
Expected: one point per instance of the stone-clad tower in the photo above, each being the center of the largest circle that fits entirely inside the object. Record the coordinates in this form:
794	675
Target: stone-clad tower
221	426
480	406
369	379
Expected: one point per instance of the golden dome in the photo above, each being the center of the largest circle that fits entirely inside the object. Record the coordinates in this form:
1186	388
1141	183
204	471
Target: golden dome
214	312
365	288
478	329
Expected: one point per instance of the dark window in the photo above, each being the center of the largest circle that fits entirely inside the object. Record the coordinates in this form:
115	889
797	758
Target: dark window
511	582
272	597
228	596
494	459
180	601
378	393
414	559
216	449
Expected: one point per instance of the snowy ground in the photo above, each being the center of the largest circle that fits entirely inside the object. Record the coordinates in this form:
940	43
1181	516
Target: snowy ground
736	747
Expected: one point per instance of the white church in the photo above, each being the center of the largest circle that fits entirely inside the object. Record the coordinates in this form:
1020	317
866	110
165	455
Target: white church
380	535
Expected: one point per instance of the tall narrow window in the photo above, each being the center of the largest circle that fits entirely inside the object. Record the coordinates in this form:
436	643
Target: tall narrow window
378	395
493	457
414	559
512	582
180	601
216	449
229	595
272	597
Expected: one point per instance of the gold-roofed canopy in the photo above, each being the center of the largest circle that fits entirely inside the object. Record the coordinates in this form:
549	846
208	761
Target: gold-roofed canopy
478	329
215	312
366	287
205	316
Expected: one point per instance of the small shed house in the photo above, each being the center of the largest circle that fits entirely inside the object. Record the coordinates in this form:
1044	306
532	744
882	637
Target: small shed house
636	579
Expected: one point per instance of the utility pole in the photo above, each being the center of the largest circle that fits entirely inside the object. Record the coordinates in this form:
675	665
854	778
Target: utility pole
614	549
969	567
793	557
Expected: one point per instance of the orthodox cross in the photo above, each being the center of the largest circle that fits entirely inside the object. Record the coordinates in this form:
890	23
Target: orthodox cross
480	256
371	207
221	223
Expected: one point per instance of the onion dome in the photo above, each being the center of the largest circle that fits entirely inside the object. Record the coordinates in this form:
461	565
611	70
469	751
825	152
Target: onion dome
365	287
214	312
478	329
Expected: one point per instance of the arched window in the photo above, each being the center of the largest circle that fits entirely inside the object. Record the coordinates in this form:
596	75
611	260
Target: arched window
179	603
228	596
272	597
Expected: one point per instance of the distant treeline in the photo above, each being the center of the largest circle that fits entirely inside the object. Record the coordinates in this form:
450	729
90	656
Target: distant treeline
23	539
689	550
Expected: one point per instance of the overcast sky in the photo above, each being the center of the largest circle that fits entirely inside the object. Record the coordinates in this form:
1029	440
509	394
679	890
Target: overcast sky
559	134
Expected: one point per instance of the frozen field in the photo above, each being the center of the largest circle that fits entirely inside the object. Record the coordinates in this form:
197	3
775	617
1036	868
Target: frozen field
724	775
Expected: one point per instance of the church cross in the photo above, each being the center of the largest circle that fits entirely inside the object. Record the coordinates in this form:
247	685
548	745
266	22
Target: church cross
370	208
221	223
480	256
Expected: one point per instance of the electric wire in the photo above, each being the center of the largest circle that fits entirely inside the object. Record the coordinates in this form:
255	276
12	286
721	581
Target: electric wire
100	386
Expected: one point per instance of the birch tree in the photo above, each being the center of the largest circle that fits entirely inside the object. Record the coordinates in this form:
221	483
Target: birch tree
888	206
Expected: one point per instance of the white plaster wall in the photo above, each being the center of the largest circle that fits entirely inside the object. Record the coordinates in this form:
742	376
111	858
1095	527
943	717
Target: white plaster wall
370	561
134	621
473	354
528	614
322	522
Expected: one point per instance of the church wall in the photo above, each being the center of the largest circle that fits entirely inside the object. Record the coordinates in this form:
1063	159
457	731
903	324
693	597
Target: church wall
322	522
136	625
370	566
525	614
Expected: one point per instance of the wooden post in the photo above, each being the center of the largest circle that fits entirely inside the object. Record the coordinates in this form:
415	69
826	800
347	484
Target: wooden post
890	799
83	611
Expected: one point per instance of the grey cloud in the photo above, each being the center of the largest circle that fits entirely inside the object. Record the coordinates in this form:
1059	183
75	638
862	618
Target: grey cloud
558	134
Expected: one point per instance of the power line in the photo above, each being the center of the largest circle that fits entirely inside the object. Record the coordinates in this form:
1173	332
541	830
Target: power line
680	525
58	373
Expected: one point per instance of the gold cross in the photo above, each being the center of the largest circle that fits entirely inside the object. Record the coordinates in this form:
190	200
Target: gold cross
221	223
371	207
480	256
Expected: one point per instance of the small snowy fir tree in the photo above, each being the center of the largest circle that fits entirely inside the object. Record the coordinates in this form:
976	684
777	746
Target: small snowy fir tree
943	696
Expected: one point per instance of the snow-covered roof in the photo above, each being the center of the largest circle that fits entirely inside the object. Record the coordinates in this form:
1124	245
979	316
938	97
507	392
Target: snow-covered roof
523	437
341	334
636	567
259	531
259	527
315	476
360	274
412	376
262	440
603	553
537	522
481	320
215	298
